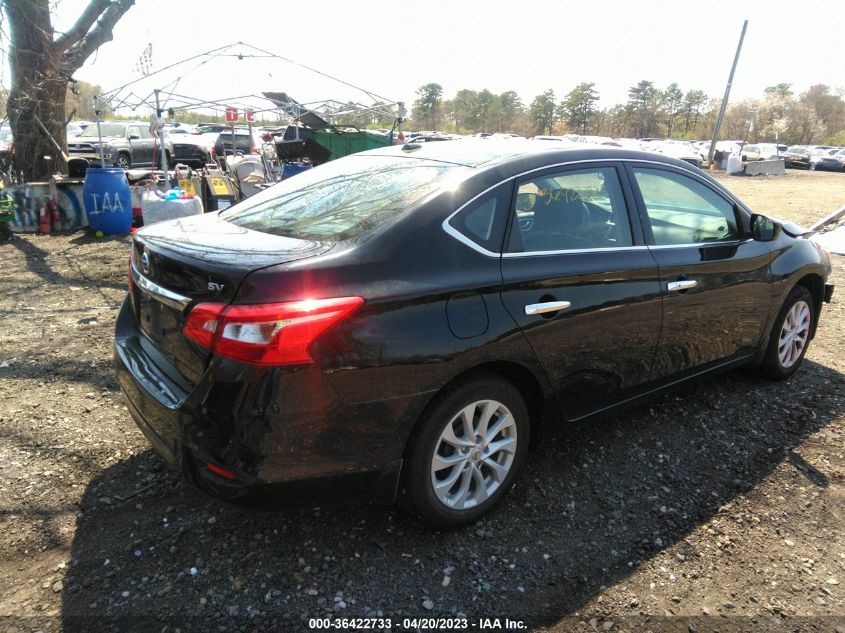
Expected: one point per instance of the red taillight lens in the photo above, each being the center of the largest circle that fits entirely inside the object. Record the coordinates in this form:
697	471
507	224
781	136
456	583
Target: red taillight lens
267	333
255	150
202	323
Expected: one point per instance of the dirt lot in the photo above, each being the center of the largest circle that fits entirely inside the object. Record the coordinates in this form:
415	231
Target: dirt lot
718	508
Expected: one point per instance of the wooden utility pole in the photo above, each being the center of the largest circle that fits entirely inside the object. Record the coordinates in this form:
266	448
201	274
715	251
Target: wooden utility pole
725	100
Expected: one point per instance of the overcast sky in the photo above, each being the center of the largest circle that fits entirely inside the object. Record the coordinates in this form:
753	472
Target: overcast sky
392	47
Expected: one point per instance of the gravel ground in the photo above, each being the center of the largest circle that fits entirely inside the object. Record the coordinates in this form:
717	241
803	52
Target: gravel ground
718	507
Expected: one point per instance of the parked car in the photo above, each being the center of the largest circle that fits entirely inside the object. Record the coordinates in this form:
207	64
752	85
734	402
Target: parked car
750	153
5	149
594	140
822	160
681	150
205	128
797	156
726	148
125	144
420	316
436	136
547	137
245	142
765	151
74	129
627	143
192	149
176	129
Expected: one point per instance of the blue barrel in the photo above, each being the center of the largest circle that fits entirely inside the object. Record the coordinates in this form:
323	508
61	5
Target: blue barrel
292	169
108	201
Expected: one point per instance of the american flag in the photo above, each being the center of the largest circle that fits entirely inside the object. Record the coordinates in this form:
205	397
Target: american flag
145	62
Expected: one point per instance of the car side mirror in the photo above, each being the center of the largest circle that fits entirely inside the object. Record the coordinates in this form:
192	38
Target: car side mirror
134	137
764	229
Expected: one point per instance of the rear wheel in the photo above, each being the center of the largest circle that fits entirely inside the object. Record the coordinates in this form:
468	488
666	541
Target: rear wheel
123	161
468	451
790	335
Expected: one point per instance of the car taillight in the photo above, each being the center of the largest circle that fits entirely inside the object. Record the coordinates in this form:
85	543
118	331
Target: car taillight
267	333
255	150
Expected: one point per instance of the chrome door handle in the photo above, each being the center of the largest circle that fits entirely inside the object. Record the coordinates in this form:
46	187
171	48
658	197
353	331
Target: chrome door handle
549	306
684	284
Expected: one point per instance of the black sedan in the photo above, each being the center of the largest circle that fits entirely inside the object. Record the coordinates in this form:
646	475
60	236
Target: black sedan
419	316
797	156
824	160
195	150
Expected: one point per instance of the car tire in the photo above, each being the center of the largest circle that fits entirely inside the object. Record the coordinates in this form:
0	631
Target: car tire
453	475
790	335
124	161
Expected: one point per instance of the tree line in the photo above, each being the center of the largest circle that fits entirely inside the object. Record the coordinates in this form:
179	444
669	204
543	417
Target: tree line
814	116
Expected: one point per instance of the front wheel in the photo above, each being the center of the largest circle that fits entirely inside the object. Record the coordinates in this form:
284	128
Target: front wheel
123	161
469	449
790	335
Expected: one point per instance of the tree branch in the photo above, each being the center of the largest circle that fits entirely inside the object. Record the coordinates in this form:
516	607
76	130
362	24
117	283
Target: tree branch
83	24
99	35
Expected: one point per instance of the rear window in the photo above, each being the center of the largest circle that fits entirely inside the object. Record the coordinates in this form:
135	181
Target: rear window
343	199
106	129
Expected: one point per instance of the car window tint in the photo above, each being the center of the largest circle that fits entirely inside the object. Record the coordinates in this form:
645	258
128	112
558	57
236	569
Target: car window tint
345	198
571	210
683	211
106	129
483	221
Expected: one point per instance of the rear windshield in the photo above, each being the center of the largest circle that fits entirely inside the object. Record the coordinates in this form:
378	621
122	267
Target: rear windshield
344	198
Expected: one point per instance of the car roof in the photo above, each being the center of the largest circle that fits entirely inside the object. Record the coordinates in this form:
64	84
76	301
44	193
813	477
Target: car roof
484	153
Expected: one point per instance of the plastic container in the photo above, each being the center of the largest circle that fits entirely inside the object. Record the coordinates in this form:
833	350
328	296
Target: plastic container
734	164
108	202
292	169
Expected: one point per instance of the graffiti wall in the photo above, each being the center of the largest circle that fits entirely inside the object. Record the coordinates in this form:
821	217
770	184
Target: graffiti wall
29	199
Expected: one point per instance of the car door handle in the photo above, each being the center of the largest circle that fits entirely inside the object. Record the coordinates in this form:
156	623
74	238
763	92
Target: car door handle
681	285
549	306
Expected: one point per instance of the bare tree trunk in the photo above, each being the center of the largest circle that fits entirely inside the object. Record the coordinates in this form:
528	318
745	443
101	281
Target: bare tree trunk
41	66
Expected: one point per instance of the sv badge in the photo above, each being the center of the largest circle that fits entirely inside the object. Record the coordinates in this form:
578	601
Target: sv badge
213	285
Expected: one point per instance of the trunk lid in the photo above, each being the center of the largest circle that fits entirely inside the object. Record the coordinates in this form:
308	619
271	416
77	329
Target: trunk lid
201	258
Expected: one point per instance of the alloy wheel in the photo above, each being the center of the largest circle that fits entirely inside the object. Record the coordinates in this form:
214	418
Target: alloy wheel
474	454
794	334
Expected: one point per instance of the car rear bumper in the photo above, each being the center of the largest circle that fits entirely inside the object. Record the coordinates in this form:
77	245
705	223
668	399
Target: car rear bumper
190	155
263	426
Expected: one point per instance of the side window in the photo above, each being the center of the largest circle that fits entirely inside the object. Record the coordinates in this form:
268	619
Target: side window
134	131
683	211
570	210
483	221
